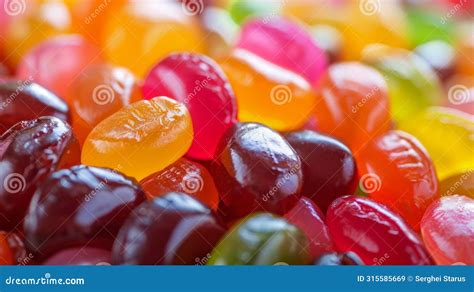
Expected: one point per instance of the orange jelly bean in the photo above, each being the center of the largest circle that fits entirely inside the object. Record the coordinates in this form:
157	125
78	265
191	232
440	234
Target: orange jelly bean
6	257
183	176
267	93
141	33
140	139
353	104
97	93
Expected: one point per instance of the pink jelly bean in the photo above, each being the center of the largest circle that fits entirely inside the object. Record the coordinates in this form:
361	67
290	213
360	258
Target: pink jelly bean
284	43
309	218
56	62
201	85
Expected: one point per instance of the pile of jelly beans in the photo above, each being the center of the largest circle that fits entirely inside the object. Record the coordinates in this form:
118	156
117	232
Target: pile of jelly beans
239	132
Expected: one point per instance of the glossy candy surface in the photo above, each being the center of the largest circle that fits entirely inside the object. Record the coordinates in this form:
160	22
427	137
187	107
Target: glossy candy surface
183	176
130	139
329	168
6	257
267	93
80	206
98	92
152	30
448	231
24	100
174	229
285	44
26	162
56	62
352	104
200	84
458	184
397	171
309	218
456	131
256	169
82	256
412	83
339	259
262	239
372	231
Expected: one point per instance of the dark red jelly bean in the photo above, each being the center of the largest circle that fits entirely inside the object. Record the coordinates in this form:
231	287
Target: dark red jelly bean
29	152
174	229
339	259
375	233
24	100
201	85
308	217
80	206
19	253
256	169
329	169
80	256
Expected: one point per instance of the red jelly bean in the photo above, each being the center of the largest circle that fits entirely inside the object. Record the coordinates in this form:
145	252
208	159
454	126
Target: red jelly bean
448	230
200	84
24	100
397	171
29	152
256	169
286	44
56	62
80	256
329	169
6	256
376	234
78	206
174	229
307	216
19	253
184	176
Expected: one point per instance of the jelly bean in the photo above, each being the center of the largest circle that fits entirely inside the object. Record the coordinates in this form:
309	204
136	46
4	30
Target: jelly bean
97	93
330	40
221	31
285	44
460	184
130	139
376	234
267	93
33	23
448	135
256	169
25	100
262	239
172	229
183	176
80	256
307	216
18	249
6	257
339	259
448	232
56	62
200	84
352	104
440	56
79	206
465	64
152	30
29	152
412	84
397	171
329	169
240	10
424	25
